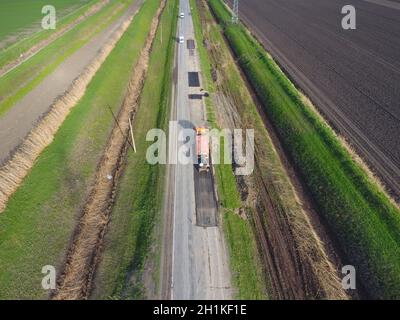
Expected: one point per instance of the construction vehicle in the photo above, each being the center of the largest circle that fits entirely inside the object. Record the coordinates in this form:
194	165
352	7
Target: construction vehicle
202	148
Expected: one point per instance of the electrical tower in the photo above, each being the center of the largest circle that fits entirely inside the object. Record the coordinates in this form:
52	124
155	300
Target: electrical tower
235	12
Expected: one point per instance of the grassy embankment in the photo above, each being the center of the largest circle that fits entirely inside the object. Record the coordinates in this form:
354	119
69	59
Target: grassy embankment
245	266
21	80
131	238
37	224
361	217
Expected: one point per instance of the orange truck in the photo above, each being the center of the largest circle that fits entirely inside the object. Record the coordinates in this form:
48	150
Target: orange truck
202	148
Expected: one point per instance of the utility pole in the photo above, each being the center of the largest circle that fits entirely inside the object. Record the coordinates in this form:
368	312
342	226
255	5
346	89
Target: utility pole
235	12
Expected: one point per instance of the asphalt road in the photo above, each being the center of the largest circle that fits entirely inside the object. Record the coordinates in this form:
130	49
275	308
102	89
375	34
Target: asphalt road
199	264
206	208
20	120
353	76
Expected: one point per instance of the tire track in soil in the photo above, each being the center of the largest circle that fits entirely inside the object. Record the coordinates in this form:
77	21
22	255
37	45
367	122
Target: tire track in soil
85	252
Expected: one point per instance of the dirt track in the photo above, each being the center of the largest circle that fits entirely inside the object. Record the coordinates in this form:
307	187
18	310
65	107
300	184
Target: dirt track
352	76
84	254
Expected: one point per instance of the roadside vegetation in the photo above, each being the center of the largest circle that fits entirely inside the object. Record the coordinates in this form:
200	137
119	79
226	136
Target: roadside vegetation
38	223
21	80
133	235
360	216
244	261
